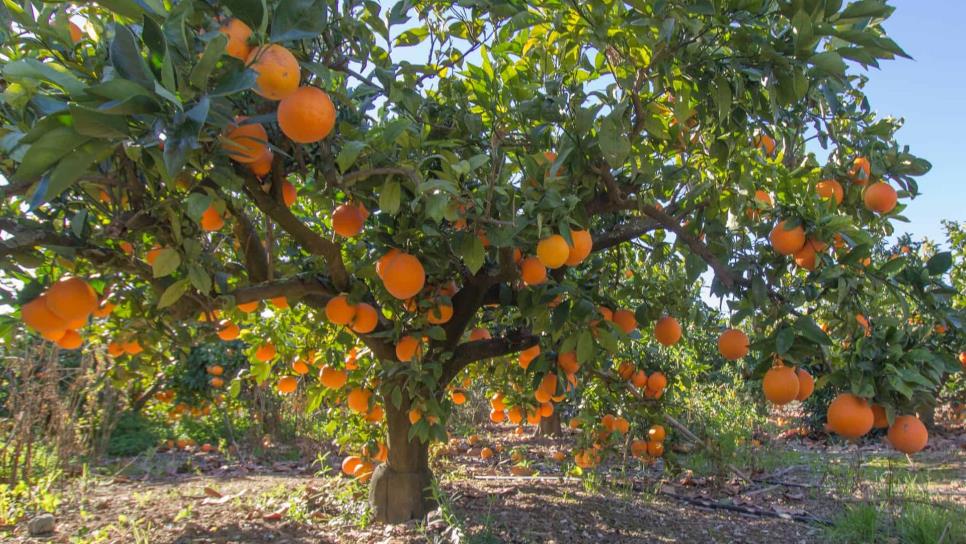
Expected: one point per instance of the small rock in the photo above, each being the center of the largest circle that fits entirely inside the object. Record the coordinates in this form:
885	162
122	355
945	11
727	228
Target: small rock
41	525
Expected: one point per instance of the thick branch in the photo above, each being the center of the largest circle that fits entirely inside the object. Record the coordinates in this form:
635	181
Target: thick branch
312	241
470	352
626	231
292	288
360	175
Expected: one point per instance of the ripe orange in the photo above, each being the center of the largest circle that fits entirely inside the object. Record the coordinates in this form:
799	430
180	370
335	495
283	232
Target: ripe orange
442	313
300	367
54	335
287	384
70	340
152	254
132	347
806	384
765	143
332	378
36	315
532	271
263	164
880	197
71	299
806	257
515	415
733	344
764	198
479	334
568	363
358	400
366	318
238	35
583	245
307	115
279	302
780	385
126	247
638	447
348	220
849	416
215	370
289	194
785	241
625	371
654	448
496	401
546	409
656	382
211	220
879	418
339	311
216	382
246	142
625	320
528	355
384	261
553	251
458	397
656	433
248	307
114	349
404	276
76	34
667	331
265	352
414	416
407	348
228	330
962	357
349	465
104	309
861	171
907	434
375	414
830	189
278	71
486	453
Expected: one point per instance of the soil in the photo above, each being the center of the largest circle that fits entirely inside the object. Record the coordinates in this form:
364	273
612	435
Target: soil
194	497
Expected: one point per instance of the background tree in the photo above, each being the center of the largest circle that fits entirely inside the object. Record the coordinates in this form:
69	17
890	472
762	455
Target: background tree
554	174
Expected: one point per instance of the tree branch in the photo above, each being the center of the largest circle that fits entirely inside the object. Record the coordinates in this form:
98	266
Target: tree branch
360	175
470	352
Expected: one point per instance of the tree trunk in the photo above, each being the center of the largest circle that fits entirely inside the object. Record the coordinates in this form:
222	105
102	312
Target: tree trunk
550	426
401	489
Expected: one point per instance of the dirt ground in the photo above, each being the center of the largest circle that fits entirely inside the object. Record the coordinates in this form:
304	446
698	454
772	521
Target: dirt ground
194	497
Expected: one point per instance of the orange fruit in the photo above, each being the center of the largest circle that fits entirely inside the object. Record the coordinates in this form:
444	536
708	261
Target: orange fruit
763	197
348	220
806	257
349	465
532	271
606	312
278	71
279	302
583	245
404	276
363	472
479	334
880	197
546	409
332	378
806	384
486	453
625	320
246	142
384	261
339	311
287	384
879	418
861	171
656	382
228	330
553	251
780	385
366	318
765	143
54	335
216	382
408	347
300	367
152	254
626	370
263	164
656	433
496	401
132	347
70	340
126	247
104	310
215	370
830	189
515	415
667	331
458	397
36	315
265	352
638	447
248	307
850	416
358	400
71	299
907	434
211	220
76	34
733	344
528	355
238	35
655	448
639	379
787	242
289	194
306	115
375	414
442	313
415	415
568	363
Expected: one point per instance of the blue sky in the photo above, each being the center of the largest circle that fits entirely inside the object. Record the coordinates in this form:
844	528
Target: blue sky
929	92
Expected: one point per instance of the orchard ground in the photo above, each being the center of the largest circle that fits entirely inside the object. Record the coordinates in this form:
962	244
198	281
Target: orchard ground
805	488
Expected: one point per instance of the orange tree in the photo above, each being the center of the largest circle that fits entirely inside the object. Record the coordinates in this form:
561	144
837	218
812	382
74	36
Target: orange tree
171	159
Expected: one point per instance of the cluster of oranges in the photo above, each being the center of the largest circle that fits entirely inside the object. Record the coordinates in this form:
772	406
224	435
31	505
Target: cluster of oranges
783	384
653	446
623	319
361	318
852	417
362	466
554	252
64	308
651	387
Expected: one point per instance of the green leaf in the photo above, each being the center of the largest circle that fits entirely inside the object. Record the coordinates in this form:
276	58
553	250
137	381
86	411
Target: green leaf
166	263
472	251
75	165
235	82
184	137
127	60
412	36
809	329
784	340
585	346
196	204
722	97
613	142
939	263
98	124
173	293
299	20
390	196
349	153
213	51
48	150
829	62
199	278
252	12
33	69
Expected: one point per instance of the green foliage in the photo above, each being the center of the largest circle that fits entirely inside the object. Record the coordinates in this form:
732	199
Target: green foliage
134	434
859	523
